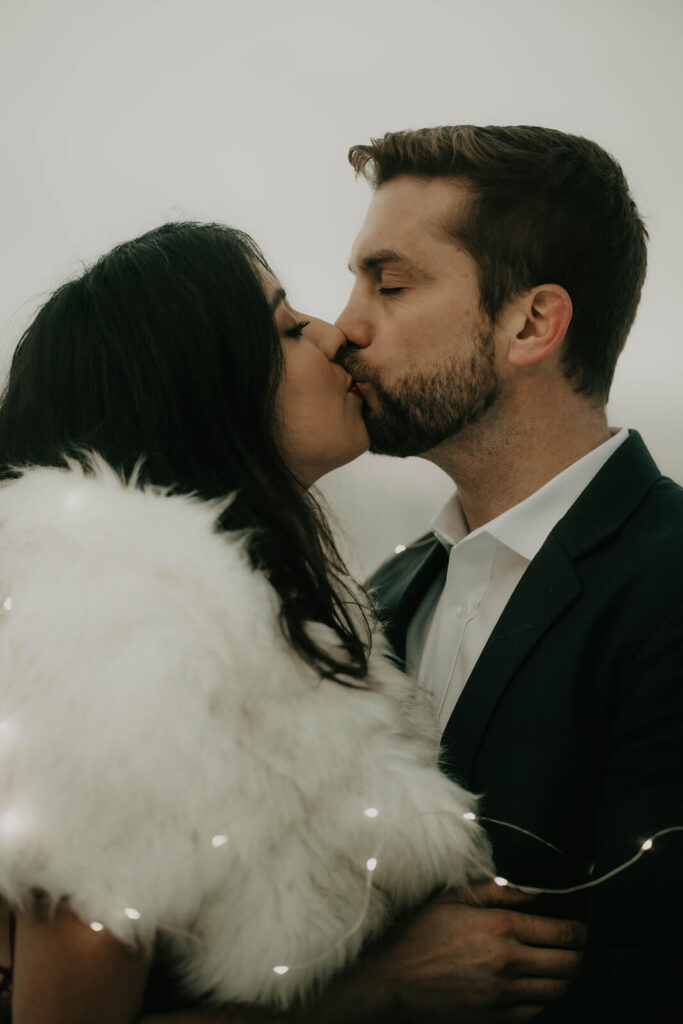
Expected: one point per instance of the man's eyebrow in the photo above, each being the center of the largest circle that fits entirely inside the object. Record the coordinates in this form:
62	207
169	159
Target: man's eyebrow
380	259
280	296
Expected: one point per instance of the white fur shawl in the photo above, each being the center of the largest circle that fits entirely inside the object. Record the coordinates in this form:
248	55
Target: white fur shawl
168	764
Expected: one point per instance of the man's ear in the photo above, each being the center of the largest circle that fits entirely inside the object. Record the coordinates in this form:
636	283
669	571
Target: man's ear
539	319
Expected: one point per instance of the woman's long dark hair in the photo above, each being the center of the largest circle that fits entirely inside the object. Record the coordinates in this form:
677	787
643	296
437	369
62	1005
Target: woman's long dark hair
167	349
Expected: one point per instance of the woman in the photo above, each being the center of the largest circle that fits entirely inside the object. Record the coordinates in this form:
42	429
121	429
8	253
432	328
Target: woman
213	789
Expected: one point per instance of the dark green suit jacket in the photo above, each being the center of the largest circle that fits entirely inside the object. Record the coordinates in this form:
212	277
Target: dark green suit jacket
571	726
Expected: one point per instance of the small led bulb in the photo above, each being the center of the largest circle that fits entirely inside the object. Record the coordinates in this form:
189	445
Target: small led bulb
399	549
219	841
370	812
502	882
132	913
371	864
13	821
281	969
469	816
96	926
7	604
647	845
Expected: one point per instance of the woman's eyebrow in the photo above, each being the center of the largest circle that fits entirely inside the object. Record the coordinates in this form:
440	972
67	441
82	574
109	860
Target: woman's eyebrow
280	296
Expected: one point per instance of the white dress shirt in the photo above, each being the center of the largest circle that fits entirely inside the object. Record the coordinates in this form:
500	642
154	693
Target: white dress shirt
457	615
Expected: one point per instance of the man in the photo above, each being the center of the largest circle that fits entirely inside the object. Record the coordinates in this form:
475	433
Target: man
498	273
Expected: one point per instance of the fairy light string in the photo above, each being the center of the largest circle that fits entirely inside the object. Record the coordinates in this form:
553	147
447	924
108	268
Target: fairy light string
221	840
371	866
372	863
644	848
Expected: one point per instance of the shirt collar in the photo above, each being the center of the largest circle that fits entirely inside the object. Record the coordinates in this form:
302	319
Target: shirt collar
524	527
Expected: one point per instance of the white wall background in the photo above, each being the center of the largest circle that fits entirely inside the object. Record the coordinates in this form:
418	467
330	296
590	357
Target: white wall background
116	116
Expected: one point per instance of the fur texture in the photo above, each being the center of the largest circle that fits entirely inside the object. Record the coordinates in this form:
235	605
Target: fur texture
149	703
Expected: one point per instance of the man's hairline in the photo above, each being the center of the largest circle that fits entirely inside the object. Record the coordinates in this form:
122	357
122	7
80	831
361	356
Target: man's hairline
442	232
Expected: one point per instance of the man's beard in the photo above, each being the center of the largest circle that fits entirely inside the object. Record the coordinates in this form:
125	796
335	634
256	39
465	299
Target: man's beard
425	408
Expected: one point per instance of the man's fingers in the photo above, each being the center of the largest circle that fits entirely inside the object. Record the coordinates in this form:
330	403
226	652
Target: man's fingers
538	990
487	894
549	931
519	1014
558	964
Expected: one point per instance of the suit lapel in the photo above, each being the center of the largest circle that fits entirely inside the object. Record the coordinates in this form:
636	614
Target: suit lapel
399	587
547	588
549	585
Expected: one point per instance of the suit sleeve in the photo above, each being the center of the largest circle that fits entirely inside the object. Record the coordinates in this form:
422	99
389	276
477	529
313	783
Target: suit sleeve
634	959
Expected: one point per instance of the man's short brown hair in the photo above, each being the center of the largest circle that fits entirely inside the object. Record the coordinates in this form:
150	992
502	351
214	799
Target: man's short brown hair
547	207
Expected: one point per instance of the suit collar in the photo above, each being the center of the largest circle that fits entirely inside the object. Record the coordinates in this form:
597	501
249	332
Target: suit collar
525	527
610	498
607	502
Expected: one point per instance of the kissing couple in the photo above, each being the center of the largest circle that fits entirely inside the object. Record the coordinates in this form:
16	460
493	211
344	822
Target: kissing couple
237	785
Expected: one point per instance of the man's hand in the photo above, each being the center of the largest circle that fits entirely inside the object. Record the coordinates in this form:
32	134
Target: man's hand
463	959
473	959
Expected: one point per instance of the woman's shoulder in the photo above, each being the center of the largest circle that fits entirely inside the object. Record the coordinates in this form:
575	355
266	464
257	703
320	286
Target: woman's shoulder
89	540
131	634
93	511
126	608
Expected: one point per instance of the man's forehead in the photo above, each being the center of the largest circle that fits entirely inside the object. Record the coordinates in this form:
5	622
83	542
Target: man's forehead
407	220
411	247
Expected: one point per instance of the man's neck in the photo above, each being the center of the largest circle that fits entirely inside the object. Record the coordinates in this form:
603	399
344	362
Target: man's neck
496	467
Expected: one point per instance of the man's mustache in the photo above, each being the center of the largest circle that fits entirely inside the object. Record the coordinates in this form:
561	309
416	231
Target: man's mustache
348	358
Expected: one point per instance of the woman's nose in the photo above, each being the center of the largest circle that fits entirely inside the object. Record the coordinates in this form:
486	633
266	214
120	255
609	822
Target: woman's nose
329	339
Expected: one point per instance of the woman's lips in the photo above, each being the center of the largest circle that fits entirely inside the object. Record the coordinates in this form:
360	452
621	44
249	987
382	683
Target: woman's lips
353	387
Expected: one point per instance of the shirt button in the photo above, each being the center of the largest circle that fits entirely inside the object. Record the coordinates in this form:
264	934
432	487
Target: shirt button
462	611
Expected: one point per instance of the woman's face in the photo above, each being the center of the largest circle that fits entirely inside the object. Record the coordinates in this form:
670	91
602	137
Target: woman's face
321	425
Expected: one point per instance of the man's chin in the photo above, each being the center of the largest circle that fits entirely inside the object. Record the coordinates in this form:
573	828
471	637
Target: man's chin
396	439
398	450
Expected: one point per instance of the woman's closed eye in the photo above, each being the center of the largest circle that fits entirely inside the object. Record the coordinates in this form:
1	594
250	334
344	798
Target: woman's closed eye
297	330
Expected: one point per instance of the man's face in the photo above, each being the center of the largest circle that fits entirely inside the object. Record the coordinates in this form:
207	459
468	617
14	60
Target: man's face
421	349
